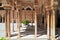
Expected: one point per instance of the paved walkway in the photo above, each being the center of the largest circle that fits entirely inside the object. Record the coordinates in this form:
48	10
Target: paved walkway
28	35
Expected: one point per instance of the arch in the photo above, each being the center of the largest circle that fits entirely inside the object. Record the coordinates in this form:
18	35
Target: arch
23	9
28	8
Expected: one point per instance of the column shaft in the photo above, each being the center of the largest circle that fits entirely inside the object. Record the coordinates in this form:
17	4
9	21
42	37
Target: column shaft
35	24
18	25
48	26
53	25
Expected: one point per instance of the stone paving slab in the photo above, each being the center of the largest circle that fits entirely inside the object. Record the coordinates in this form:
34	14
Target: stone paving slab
29	39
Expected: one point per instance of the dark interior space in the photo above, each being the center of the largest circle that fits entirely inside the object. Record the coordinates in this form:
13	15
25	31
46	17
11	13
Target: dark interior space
0	19
58	19
1	8
0	4
58	22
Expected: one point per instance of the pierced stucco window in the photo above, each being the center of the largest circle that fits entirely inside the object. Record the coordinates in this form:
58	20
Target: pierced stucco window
28	8
23	9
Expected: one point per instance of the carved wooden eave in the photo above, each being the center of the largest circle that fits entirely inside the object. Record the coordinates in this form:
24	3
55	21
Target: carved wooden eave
50	8
7	6
27	4
36	6
18	6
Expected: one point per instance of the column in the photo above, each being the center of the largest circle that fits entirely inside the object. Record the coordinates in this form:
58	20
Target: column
35	25
18	23
48	25
53	25
12	17
13	21
52	21
12	14
7	22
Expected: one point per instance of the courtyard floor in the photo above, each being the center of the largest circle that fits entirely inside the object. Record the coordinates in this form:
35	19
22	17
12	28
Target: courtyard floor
28	35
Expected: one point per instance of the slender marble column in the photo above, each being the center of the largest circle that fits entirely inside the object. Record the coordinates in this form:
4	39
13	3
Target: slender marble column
18	23
48	24
53	25
35	25
53	21
12	18
7	22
